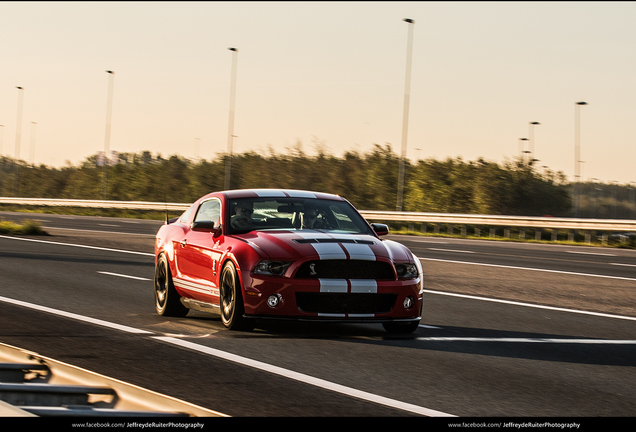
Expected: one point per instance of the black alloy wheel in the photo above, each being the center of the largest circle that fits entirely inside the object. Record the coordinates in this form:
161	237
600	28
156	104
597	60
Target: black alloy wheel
167	300
231	300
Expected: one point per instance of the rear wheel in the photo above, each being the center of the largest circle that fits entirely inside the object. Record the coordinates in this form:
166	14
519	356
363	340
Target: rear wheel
401	328
231	299
167	300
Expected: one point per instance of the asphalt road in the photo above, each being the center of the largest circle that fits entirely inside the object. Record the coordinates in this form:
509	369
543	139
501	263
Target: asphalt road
509	330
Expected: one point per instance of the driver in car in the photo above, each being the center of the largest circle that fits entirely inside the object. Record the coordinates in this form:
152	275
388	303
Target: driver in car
242	217
309	217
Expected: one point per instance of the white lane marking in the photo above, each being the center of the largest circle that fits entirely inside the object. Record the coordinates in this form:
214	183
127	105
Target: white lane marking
307	379
74	316
589	253
124	276
244	361
626	265
530	340
529	268
99	231
451	250
78	245
598	314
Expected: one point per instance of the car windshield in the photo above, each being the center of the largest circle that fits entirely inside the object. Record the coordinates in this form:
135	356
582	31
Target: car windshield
291	213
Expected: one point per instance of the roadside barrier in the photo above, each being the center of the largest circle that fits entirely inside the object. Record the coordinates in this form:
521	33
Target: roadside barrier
35	386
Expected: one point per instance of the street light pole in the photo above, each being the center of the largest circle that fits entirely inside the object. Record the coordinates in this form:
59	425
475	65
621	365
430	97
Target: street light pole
1	138
18	127
109	110
405	117
230	133
18	139
33	143
521	140
532	156
577	155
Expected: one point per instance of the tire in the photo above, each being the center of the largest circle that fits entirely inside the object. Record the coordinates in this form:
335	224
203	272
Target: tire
401	328
231	300
167	300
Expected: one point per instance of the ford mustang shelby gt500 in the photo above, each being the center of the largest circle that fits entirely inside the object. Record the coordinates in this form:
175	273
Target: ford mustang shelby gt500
270	253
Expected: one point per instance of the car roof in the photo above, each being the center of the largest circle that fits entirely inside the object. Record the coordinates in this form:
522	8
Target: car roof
278	193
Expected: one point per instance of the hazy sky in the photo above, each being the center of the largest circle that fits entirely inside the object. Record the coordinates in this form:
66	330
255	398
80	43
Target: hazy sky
323	73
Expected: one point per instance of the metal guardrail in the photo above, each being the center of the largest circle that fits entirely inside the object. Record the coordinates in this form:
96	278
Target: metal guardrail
619	225
623	225
35	386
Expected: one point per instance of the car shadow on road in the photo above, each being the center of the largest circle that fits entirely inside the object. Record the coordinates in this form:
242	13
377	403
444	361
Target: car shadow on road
524	345
466	340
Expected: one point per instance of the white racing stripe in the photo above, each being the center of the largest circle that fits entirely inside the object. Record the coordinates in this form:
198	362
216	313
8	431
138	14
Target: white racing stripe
358	251
329	251
333	285
193	286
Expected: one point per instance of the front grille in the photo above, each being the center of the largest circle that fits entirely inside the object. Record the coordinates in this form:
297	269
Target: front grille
340	303
346	269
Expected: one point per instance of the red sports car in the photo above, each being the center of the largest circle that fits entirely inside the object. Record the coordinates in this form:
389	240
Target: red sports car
284	254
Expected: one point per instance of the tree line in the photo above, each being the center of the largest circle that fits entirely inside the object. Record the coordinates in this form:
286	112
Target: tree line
369	180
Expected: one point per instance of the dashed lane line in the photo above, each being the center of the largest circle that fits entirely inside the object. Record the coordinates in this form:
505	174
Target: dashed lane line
286	373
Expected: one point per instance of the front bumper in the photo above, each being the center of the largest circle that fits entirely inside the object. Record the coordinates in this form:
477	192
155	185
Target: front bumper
333	300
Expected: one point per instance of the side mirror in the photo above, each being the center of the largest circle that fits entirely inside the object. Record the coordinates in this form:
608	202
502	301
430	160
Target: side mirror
380	229
204	226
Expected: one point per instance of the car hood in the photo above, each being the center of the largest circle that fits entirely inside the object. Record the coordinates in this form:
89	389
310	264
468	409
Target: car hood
309	244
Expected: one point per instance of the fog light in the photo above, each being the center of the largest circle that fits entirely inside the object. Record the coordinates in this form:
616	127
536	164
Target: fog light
274	300
409	302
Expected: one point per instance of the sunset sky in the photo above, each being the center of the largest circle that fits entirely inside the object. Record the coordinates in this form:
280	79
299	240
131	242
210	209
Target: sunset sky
323	74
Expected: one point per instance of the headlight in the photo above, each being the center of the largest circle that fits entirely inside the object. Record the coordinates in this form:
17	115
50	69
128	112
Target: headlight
274	268
406	271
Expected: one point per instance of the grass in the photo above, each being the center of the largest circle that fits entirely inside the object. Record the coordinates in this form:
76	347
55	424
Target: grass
28	227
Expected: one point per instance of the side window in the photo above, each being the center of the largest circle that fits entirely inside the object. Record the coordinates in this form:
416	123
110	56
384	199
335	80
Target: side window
186	215
209	211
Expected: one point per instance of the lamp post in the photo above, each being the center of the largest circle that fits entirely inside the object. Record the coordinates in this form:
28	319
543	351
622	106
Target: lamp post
18	127
33	124
532	124
577	154
405	117
521	140
18	138
230	133
109	110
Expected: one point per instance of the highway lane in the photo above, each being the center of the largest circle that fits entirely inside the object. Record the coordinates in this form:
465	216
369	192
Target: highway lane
473	357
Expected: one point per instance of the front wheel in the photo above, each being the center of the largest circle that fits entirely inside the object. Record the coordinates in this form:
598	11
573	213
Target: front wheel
167	300
401	328
231	299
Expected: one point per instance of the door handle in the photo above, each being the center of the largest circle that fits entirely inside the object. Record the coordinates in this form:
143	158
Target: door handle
183	242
